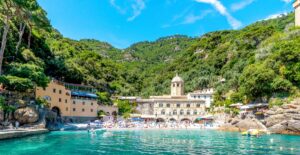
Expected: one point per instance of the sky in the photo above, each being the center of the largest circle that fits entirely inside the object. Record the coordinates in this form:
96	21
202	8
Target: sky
125	22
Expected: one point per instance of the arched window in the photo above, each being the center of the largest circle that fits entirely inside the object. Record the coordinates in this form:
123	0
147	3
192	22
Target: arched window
174	112
163	112
168	105
188	112
181	112
195	112
198	105
177	105
188	105
177	84
174	85
161	105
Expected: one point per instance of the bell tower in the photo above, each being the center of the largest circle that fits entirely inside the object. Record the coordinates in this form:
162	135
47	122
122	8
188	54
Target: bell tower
296	5
177	86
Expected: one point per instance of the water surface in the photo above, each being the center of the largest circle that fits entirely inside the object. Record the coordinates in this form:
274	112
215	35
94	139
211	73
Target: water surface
150	142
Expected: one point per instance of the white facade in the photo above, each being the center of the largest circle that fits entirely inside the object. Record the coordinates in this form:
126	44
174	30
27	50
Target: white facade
205	94
296	5
174	107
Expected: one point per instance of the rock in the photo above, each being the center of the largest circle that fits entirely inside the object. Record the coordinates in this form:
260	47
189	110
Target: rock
248	124
270	112
293	125
26	115
1	116
285	106
293	106
279	111
278	128
234	121
274	119
296	117
292	111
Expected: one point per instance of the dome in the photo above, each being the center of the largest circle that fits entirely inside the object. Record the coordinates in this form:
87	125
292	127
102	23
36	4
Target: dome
177	79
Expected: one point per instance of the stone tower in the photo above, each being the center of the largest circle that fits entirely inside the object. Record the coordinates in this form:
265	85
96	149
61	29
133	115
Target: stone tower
296	5
177	86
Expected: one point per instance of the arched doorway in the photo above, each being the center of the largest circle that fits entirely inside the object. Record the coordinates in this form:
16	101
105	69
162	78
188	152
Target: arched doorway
114	113
160	120
172	120
57	111
186	120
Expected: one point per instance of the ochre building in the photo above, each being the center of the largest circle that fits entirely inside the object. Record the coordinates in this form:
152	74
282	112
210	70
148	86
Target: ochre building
73	102
296	5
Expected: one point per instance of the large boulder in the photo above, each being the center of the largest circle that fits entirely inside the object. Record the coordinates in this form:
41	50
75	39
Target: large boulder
247	124
293	125
278	128
274	119
26	115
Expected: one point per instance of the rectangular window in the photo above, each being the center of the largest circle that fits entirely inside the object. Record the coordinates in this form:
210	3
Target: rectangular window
82	110
92	110
161	105
92	103
54	90
59	91
59	100
67	109
178	105
168	105
74	102
74	109
66	101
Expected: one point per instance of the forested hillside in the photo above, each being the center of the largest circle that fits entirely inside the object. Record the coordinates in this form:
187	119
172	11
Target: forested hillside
257	62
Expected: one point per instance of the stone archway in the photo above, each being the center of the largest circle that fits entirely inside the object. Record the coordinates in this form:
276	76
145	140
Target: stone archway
185	120
172	119
56	110
160	120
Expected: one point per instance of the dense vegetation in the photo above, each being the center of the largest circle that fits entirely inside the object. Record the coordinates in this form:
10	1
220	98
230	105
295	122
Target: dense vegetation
257	62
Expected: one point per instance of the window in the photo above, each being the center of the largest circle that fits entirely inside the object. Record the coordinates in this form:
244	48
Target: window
83	103
163	112
195	112
181	112
188	112
92	110
48	98
177	105
188	105
82	110
174	85
74	102
168	105
204	97
44	89
175	112
59	91
198	105
74	109
177	84
67	109
54	90
161	105
59	100
92	103
66	101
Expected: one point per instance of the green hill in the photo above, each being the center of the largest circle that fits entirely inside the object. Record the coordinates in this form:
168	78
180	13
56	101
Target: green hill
257	62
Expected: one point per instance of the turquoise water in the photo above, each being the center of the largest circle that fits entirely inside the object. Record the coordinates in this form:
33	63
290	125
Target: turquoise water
150	142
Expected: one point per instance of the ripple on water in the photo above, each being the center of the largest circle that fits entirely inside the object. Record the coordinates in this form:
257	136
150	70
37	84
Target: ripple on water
150	142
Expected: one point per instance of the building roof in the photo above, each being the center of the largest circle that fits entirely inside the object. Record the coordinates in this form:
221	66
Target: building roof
177	79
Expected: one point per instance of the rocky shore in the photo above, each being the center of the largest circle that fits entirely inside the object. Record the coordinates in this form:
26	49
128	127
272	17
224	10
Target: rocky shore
283	119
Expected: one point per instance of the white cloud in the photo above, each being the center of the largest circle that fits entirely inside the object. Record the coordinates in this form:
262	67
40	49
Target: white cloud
240	5
286	1
277	15
192	18
113	3
137	8
235	24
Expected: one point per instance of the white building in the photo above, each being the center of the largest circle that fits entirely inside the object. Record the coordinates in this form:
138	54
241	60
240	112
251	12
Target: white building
177	106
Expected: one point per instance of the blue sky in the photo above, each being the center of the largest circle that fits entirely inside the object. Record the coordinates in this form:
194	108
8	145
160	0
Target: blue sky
124	22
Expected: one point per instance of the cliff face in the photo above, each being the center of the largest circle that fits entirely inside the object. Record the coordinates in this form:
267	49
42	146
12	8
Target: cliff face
284	119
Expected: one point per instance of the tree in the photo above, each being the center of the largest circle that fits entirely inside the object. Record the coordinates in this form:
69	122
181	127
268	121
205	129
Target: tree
256	81
104	98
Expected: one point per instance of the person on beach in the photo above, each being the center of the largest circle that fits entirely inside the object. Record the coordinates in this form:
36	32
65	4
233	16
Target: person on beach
17	124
